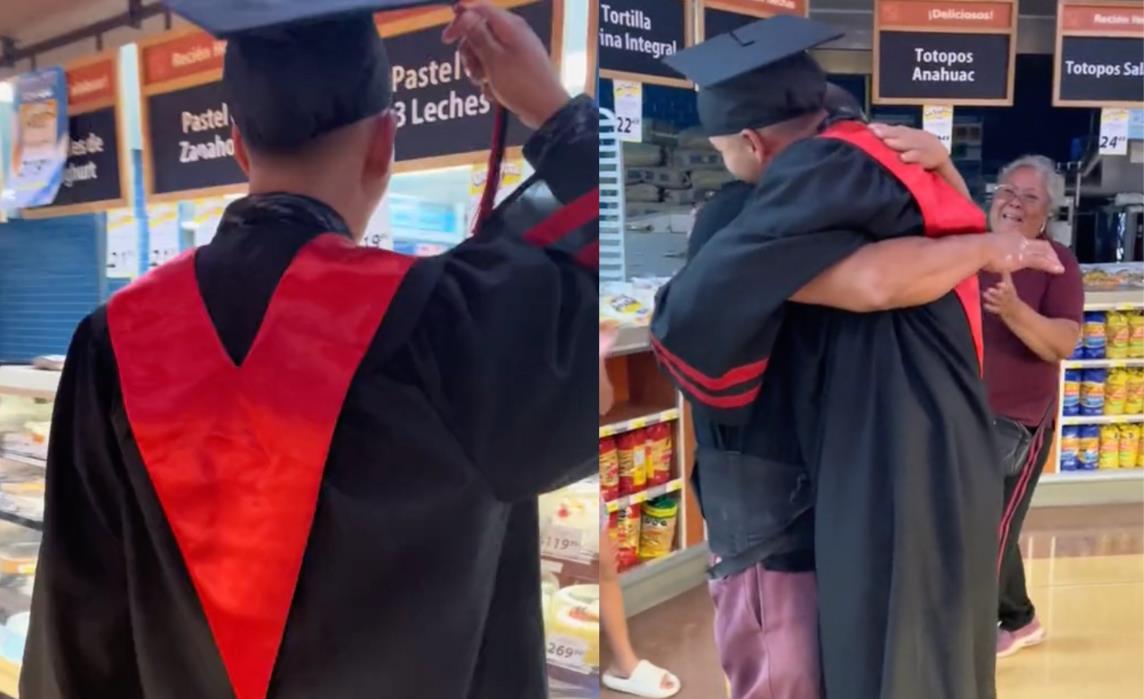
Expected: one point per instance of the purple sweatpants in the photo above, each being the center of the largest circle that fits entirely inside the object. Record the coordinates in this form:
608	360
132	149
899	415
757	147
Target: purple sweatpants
766	630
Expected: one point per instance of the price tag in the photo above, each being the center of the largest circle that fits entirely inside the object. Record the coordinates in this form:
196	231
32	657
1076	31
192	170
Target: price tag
637	498
164	234
122	244
1113	131
938	120
561	542
568	652
629	110
638	423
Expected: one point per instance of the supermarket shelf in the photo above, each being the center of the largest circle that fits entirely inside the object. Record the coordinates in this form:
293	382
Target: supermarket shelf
1097	363
627	424
654	582
1100	419
644	495
1110	474
28	382
9	678
1119	300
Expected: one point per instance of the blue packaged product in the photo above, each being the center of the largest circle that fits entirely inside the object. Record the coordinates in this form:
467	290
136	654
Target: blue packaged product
1070	405
1092	391
1095	334
1078	351
1070	447
1089	458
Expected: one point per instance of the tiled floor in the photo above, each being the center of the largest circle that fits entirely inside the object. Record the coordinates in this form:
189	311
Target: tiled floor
1085	574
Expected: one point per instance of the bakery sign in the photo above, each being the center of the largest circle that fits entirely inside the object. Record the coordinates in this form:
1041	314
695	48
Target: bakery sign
952	53
724	16
1099	59
188	150
94	176
634	36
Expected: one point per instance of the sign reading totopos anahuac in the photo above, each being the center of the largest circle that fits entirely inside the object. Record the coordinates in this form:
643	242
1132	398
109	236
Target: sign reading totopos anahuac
1099	58
952	53
95	176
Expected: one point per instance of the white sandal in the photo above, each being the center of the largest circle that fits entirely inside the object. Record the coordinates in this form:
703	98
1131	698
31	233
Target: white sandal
645	681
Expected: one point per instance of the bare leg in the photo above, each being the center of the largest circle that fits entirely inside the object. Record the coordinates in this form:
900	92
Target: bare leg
612	617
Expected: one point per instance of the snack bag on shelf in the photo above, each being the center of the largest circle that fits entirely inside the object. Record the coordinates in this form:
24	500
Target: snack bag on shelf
1134	392
1089	447
609	469
657	528
1129	445
1117	335
627	536
1071	402
1095	339
1109	447
1092	391
659	453
1116	392
1136	335
633	461
1070	447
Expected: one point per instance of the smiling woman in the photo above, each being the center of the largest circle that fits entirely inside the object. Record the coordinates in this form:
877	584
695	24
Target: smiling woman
1032	321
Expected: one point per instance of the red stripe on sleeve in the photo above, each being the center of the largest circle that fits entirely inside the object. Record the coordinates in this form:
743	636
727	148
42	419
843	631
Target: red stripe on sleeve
739	400
566	219
589	255
733	377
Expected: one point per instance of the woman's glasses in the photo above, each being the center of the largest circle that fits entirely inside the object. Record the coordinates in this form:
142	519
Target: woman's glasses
1008	193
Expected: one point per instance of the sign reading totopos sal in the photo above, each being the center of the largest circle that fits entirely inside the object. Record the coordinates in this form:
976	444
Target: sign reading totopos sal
95	176
952	53
1099	59
723	16
188	151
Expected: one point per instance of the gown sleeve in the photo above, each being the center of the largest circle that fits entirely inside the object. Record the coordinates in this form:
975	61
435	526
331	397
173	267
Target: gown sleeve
79	642
716	321
512	326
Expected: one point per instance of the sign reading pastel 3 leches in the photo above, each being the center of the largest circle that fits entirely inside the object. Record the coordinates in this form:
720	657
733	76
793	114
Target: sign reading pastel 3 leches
39	139
635	35
953	53
723	16
93	177
187	146
1099	55
442	118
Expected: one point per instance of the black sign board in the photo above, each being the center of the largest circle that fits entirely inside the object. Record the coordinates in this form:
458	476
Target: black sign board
190	142
442	117
942	67
635	35
91	173
1101	69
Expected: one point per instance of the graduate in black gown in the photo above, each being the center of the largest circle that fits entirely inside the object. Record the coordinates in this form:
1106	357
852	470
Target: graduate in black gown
884	409
289	467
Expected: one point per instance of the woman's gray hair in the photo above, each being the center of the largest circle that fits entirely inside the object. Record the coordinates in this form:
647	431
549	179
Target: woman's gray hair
1053	181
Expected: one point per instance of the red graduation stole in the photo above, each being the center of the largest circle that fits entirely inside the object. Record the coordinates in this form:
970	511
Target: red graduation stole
236	453
944	211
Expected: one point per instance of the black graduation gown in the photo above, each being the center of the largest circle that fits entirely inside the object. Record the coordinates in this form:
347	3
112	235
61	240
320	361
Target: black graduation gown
421	575
888	411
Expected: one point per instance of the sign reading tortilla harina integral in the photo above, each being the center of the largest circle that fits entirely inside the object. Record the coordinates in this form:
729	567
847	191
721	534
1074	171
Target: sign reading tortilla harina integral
443	120
188	151
94	176
722	16
1099	58
952	53
633	37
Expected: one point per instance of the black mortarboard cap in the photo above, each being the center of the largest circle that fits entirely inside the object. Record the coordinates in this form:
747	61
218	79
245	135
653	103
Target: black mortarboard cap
757	75
297	69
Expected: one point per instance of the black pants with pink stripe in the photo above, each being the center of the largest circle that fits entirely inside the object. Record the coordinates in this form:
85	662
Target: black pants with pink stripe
1016	609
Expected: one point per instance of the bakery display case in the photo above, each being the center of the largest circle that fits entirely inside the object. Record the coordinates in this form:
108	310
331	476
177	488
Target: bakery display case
27	395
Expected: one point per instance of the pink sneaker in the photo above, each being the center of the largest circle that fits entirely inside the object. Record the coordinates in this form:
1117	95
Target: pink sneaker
1009	642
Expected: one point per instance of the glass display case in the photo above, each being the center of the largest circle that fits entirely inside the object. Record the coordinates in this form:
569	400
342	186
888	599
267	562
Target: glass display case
26	398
